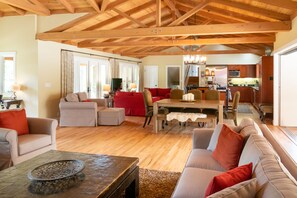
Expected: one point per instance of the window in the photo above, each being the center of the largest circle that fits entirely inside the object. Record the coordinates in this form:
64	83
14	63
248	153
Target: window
7	71
129	72
90	74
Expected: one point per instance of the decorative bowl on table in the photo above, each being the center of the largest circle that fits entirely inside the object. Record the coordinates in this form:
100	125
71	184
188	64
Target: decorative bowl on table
56	170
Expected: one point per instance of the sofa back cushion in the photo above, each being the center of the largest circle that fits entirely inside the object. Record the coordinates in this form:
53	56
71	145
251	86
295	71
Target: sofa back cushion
163	92
273	179
123	93
82	96
154	91
16	120
72	97
255	149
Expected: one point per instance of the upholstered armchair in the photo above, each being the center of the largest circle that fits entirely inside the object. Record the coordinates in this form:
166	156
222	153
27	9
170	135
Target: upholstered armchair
78	110
15	149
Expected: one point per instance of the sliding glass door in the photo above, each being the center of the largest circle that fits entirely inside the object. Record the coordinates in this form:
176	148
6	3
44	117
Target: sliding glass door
90	75
129	72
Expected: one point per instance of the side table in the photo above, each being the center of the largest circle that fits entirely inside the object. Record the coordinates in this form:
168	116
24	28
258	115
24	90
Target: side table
6	103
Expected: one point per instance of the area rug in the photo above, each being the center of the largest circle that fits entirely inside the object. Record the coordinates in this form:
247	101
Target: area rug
157	184
244	108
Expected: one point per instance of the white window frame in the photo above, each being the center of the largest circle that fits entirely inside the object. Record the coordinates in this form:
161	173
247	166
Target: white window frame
8	90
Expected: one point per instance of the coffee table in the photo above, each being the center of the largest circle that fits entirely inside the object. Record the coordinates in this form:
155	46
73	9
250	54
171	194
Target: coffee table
104	176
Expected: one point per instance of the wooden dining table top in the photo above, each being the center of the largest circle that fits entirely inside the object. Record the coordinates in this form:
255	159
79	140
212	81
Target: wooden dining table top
193	104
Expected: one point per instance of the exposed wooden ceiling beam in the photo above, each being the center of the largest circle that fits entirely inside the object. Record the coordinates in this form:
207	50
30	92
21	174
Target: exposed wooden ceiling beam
199	41
171	5
190	13
67	5
94	5
216	29
129	17
288	4
252	9
158	12
104	5
18	10
252	51
32	6
114	4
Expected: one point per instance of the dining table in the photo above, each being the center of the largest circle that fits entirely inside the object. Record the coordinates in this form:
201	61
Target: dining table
199	104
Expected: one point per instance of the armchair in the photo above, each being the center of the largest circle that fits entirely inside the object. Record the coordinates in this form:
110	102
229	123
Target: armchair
15	149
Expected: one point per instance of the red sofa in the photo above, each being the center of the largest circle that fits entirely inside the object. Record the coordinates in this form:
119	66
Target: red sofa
159	93
133	103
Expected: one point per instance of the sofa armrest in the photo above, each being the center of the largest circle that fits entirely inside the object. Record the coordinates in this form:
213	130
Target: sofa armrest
8	143
43	126
201	138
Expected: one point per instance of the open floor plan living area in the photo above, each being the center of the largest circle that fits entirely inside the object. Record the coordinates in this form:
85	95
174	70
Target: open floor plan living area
148	99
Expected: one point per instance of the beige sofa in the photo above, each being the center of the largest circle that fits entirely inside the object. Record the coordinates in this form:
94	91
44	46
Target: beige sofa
273	179
75	112
15	149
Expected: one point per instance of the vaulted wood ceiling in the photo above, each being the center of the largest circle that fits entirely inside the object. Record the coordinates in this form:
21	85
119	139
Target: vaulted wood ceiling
139	28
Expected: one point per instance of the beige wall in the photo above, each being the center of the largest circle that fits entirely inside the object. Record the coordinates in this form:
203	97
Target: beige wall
286	38
17	35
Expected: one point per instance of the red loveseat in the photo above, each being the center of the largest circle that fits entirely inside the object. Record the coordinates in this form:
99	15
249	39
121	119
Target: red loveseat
159	93
133	103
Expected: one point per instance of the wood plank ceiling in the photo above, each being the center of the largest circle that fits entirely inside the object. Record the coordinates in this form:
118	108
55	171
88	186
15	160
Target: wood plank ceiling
139	28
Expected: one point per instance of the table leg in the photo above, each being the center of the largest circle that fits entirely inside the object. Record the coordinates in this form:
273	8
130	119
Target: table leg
155	114
221	118
132	191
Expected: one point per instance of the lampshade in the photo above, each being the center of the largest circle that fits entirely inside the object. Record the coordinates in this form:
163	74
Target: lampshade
16	87
133	86
106	87
206	72
212	73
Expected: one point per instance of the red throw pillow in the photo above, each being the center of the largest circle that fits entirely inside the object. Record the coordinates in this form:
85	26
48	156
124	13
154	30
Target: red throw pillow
229	178
228	149
15	120
154	91
163	91
87	100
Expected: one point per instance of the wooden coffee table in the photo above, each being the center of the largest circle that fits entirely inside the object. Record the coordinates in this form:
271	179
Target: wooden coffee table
103	176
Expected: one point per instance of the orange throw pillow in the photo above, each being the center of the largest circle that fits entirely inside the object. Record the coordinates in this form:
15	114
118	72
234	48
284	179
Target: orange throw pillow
229	178
15	120
228	149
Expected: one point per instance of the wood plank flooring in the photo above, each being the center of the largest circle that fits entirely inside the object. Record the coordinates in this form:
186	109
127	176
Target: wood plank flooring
167	150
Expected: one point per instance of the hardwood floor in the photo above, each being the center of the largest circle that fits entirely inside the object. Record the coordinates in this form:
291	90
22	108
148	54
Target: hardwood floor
167	150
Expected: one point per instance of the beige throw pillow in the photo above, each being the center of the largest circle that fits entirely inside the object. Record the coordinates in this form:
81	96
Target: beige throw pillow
246	189
72	97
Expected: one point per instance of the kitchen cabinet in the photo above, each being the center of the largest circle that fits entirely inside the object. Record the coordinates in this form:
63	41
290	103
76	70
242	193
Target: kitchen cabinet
265	67
245	93
246	71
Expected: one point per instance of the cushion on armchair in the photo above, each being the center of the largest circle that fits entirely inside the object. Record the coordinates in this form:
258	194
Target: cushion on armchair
82	96
16	120
72	97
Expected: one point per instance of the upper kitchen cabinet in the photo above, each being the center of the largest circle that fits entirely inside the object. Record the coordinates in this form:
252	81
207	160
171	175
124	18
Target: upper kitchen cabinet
241	71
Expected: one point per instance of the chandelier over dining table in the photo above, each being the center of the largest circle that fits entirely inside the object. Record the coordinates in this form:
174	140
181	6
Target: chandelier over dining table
195	59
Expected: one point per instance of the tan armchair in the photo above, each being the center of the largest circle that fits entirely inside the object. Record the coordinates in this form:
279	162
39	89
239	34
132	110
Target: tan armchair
78	113
15	149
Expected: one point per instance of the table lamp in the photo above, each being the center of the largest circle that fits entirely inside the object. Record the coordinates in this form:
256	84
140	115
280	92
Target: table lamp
133	87
15	87
106	90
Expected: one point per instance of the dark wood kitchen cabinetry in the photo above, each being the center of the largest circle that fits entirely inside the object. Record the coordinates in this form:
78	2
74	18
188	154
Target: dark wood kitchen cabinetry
265	73
246	71
245	93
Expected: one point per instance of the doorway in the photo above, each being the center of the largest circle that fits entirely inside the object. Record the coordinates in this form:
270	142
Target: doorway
173	76
150	76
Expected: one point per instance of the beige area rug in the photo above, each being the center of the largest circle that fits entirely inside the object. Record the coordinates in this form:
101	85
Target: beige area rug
244	108
157	184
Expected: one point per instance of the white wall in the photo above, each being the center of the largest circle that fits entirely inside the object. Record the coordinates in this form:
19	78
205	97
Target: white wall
18	35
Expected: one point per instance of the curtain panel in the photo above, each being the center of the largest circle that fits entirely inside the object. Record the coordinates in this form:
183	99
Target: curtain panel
67	73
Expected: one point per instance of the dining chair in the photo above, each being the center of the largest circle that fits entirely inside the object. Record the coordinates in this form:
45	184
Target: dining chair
197	96
176	94
148	103
231	113
211	95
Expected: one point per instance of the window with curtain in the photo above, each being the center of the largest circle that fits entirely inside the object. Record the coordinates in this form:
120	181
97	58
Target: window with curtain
129	72
7	72
90	75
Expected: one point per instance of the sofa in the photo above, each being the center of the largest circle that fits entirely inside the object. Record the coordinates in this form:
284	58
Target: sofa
78	110
272	179
159	93
133	103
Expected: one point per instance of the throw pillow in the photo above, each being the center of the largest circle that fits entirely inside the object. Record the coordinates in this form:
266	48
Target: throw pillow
228	149
246	189
72	97
87	100
215	136
16	120
154	91
229	178
82	96
163	91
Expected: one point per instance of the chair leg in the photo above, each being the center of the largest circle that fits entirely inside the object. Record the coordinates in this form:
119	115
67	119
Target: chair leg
235	122
149	120
145	121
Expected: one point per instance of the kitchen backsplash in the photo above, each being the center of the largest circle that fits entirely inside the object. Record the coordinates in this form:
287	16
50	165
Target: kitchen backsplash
243	81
